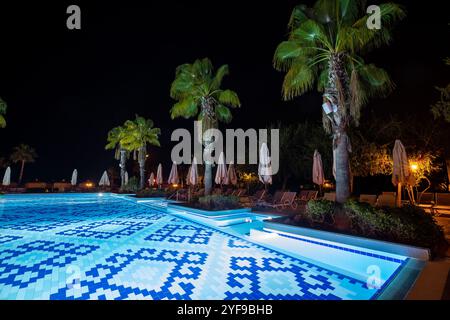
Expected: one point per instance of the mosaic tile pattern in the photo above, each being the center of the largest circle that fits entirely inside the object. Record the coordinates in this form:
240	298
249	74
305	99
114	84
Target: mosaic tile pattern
90	247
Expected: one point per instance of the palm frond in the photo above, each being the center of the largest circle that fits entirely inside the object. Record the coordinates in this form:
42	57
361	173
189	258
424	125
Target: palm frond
311	33
229	98
3	107
223	114
298	80
289	50
185	108
358	37
376	81
299	15
220	74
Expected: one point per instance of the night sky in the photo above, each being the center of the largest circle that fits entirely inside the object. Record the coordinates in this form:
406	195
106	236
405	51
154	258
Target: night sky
65	89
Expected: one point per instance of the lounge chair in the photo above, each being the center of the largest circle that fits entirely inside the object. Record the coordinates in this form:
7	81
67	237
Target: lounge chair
386	200
306	195
254	199
330	196
368	198
427	201
289	200
442	203
276	200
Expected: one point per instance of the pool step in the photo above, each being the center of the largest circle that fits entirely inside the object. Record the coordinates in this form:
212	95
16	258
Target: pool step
334	256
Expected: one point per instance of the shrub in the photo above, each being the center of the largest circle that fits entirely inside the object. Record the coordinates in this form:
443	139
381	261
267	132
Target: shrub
218	202
408	224
132	185
320	211
151	193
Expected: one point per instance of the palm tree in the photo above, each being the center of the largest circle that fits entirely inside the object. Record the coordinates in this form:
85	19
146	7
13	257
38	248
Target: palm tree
23	154
2	112
115	136
323	48
197	90
138	134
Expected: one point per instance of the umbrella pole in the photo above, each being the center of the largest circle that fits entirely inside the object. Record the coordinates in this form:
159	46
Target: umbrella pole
399	195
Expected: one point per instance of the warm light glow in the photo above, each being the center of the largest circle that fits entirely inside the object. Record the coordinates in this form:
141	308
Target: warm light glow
89	184
175	185
414	167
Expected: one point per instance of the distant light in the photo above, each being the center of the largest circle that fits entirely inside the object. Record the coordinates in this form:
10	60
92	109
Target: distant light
89	184
414	167
175	185
100	194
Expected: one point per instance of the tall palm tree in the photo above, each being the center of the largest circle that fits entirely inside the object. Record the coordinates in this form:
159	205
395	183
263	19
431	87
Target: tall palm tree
197	90
2	113
138	134
324	47
23	154
115	136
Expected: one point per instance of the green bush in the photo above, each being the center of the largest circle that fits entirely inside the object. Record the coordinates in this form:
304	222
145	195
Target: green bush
408	224
151	193
218	202
132	186
320	211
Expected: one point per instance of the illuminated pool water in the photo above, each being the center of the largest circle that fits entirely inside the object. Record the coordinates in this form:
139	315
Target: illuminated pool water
85	246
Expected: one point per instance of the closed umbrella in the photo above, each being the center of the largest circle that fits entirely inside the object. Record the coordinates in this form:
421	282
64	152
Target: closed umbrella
104	181
400	171
265	165
159	176
231	175
7	177
73	181
317	171
151	180
192	178
173	176
125	178
221	173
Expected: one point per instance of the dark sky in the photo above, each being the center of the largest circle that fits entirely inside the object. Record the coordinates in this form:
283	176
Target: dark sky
66	89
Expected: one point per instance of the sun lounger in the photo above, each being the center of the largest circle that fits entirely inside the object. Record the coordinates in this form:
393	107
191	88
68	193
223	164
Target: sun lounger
368	198
427	201
442	203
240	193
386	200
62	186
305	196
277	199
330	196
255	199
289	201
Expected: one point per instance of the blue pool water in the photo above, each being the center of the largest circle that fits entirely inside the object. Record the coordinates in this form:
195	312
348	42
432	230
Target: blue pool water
86	246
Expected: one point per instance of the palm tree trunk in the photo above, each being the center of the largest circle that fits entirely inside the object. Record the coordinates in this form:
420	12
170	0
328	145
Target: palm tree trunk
208	179
122	167
337	93
209	121
141	161
21	171
342	169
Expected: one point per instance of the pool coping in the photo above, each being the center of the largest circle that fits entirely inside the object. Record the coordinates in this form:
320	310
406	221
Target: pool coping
203	213
418	253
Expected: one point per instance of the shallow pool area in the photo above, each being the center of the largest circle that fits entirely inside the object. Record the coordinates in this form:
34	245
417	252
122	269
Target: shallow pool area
87	246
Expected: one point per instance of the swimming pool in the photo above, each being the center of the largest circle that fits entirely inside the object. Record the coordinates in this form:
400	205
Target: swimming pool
86	246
